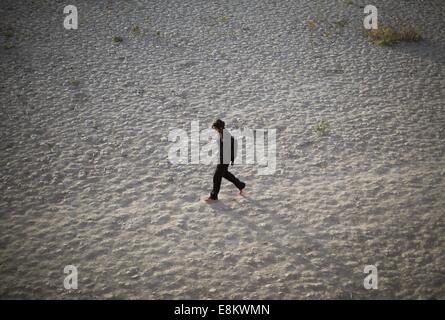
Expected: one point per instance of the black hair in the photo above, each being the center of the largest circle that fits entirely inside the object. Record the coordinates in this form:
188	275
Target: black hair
218	124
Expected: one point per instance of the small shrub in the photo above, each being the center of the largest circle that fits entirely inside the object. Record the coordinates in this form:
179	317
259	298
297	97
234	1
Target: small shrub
341	23
387	36
321	126
312	24
411	35
118	39
8	46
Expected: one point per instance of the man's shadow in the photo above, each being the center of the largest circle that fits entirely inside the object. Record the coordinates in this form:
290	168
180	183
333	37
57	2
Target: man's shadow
294	253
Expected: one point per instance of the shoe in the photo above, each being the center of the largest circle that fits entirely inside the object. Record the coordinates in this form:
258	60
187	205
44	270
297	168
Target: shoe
242	188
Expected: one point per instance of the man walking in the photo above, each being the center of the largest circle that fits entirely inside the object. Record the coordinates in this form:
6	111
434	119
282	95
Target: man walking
226	155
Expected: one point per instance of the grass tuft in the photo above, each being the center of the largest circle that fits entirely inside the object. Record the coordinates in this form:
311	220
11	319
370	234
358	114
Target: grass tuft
312	24
75	82
8	46
136	29
341	23
118	38
321	126
388	36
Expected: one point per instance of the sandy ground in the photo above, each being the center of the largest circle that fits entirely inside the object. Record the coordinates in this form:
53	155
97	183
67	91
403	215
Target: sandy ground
85	178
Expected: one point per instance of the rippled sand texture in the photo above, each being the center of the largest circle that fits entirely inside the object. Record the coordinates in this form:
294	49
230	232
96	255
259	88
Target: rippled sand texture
85	178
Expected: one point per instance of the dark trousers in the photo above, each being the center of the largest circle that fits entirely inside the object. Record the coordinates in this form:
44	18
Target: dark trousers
222	171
